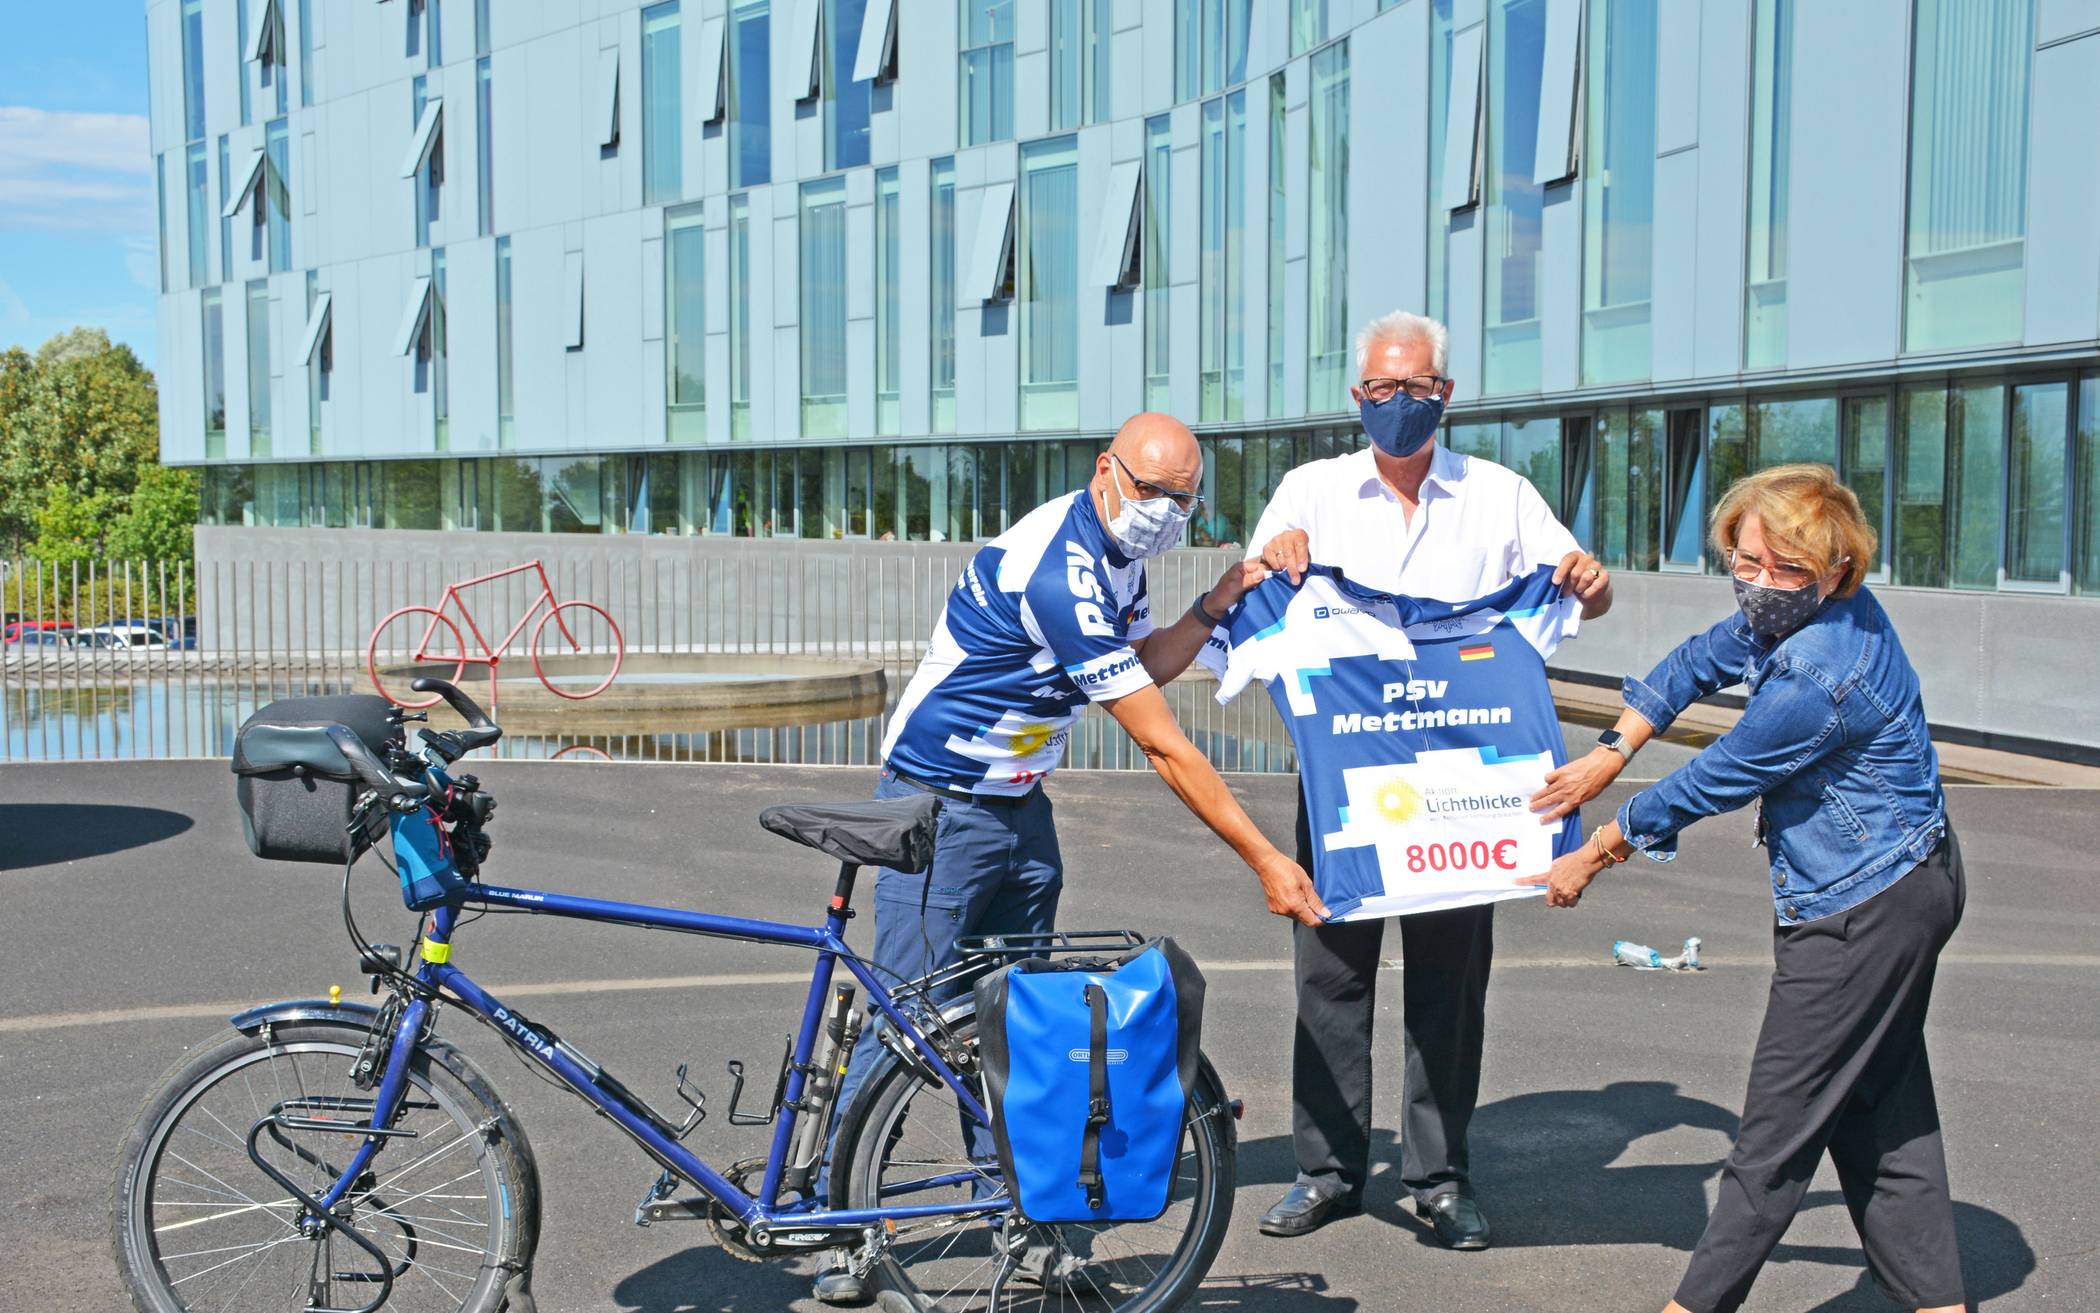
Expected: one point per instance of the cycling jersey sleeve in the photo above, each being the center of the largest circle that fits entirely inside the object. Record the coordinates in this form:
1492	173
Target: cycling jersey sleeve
1067	611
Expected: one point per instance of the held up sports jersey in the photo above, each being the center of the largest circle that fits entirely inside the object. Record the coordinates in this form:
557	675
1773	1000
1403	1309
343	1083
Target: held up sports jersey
1422	728
1041	622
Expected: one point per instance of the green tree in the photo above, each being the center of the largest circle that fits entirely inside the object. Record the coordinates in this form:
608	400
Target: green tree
70	527
160	521
81	414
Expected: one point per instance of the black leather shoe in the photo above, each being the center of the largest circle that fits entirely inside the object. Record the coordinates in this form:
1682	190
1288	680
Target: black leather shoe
1306	1209
1456	1219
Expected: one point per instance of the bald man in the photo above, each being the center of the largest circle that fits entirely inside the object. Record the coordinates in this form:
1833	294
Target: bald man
1047	617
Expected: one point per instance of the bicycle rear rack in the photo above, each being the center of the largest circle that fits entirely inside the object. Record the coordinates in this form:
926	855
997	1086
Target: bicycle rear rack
984	954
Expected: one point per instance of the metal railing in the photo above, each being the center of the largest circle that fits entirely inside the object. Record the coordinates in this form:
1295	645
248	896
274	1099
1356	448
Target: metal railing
113	659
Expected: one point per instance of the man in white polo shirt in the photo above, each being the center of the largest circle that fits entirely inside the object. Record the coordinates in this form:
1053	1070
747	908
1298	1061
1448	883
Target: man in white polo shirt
1404	515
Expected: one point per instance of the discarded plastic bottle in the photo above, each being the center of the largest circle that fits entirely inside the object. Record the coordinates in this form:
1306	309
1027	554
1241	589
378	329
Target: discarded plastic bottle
1643	958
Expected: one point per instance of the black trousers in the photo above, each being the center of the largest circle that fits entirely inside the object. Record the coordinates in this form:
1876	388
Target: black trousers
1444	977
1840	1065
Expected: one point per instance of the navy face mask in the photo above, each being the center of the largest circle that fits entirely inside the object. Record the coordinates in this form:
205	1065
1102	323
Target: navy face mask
1401	426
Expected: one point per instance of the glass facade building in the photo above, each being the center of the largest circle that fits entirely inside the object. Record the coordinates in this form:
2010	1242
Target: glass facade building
856	269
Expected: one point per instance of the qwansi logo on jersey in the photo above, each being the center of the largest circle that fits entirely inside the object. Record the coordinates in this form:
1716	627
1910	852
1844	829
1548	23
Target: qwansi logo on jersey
1116	1057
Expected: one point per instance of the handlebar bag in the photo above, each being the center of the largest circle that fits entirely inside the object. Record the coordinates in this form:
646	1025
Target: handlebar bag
1088	1066
295	788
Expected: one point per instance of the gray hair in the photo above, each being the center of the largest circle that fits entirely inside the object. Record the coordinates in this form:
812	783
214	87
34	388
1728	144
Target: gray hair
1402	326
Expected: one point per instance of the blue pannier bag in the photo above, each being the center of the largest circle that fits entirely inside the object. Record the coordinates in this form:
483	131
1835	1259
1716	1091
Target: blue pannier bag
1088	1066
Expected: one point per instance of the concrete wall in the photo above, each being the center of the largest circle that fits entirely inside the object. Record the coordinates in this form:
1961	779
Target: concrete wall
1994	666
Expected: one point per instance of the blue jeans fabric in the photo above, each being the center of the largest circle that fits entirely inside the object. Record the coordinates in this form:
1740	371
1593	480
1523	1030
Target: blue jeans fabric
1832	741
996	870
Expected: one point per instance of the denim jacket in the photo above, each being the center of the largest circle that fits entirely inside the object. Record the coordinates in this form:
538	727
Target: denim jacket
1832	740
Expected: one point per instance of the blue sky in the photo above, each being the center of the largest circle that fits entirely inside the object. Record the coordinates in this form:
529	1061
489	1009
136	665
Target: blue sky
77	222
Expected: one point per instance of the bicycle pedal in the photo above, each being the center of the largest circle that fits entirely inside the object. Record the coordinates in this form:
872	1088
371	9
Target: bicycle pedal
659	1190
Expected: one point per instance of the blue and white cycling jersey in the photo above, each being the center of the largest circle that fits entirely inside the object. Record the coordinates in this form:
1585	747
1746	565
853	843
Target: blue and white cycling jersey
1041	622
1422	728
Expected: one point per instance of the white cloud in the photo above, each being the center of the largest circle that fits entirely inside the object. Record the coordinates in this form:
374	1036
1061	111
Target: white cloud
68	172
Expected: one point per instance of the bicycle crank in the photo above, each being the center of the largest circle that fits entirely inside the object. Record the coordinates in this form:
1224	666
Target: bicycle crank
744	1243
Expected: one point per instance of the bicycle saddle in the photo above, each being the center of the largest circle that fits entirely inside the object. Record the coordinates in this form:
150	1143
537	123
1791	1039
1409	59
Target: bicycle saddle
892	832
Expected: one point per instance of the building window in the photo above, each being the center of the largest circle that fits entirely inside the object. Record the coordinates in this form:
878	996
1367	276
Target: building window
506	405
1220	272
427	125
197	184
1159	311
2035	485
482	44
941	262
259	369
1327	283
750	91
193	70
1308	24
1080	32
846	102
1684	490
987	71
1047	283
269	64
240	56
2085	576
1438	280
739	316
888	312
1278	209
1210	46
1952	466
305	53
440	372
662	144
277	143
823	278
685	323
1618	189
1964	279
320	364
225	222
214	376
484	149
1513	203
1771	162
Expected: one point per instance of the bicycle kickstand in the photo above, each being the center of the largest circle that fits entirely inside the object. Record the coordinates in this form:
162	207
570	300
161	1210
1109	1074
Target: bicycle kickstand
1014	1241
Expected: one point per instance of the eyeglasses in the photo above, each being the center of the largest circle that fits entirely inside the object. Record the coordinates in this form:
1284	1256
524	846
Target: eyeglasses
1782	574
1421	387
1182	498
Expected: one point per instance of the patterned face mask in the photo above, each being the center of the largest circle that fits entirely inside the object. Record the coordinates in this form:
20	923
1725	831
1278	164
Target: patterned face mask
1776	612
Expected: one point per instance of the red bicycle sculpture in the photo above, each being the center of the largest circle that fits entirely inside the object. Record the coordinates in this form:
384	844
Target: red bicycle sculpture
585	641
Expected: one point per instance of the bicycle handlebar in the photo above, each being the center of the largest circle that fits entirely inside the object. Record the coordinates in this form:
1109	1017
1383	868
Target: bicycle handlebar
481	731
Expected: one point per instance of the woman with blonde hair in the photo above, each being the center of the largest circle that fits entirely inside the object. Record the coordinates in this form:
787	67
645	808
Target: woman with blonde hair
1866	882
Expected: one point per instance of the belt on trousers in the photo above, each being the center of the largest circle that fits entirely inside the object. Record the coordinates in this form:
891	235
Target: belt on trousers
963	795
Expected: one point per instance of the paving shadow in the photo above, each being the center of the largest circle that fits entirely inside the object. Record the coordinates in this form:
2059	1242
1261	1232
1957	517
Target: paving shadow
1995	1258
703	1279
1270	1292
48	833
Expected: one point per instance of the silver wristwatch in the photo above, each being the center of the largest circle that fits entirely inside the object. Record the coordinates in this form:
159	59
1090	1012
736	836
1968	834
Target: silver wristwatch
1616	741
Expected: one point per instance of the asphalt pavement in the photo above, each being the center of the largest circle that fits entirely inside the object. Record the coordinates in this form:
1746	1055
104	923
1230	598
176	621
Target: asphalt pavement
135	921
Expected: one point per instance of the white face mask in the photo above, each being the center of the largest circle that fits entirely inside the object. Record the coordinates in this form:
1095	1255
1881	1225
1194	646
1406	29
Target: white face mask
1144	529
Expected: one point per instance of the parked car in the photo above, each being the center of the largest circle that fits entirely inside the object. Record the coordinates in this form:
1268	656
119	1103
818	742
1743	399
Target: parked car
40	638
179	633
127	635
18	630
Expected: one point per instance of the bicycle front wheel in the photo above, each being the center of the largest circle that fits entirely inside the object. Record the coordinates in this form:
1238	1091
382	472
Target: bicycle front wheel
452	1202
914	1145
576	650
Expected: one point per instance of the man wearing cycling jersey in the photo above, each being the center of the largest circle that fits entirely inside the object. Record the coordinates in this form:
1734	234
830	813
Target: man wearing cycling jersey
1048	617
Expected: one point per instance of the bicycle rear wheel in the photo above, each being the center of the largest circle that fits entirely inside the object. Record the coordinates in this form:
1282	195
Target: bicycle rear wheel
911	1133
576	650
412	642
454	1206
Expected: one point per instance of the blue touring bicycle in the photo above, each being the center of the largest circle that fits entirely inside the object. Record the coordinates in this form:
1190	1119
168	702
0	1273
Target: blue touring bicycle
335	1157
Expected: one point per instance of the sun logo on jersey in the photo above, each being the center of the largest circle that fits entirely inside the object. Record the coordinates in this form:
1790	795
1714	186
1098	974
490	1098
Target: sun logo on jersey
1397	801
1029	739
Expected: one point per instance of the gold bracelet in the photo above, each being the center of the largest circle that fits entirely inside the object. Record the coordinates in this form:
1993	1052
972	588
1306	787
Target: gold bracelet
1604	854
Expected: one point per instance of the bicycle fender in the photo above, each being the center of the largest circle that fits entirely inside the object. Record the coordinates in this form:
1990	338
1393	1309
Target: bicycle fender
306	1009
